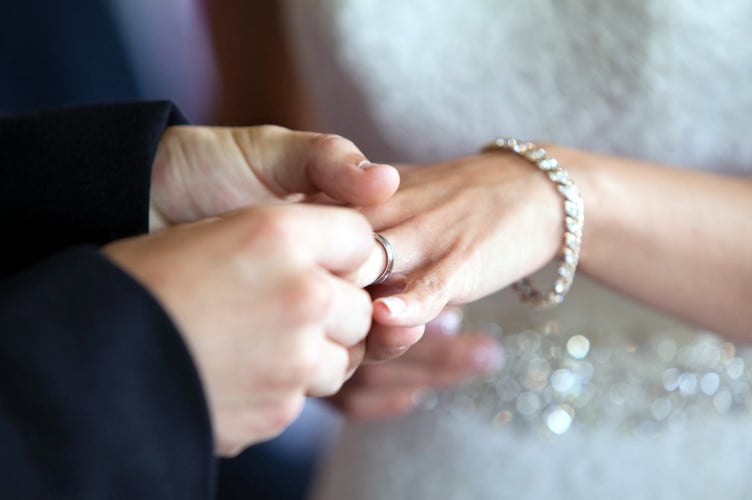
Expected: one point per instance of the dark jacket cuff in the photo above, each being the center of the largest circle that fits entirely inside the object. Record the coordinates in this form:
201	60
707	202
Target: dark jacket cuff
77	176
99	397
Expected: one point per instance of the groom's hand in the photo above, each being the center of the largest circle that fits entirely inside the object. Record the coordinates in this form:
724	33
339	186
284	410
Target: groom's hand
205	171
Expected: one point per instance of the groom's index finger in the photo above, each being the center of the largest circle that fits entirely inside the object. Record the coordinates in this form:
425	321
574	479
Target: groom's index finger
338	239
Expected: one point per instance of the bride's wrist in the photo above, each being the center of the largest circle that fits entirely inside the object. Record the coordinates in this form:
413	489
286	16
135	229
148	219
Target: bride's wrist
571	220
587	172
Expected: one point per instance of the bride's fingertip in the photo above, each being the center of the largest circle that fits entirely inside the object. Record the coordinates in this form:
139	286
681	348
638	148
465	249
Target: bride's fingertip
394	306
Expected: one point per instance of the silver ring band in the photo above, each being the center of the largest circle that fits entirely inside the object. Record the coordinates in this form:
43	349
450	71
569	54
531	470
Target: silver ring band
389	254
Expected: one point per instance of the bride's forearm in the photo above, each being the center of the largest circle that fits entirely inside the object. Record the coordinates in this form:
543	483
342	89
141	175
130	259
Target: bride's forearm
677	239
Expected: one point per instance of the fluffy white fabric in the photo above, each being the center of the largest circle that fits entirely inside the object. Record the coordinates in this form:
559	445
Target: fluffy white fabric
666	80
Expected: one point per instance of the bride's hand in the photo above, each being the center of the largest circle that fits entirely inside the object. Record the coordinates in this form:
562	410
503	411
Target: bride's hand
464	229
443	358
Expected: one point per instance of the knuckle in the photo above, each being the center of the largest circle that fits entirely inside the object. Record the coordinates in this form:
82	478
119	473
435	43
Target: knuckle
329	142
359	228
285	412
270	130
310	298
340	365
434	288
333	373
433	284
306	366
304	361
276	225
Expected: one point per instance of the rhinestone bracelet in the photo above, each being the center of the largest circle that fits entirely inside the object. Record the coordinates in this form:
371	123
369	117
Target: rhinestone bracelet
574	218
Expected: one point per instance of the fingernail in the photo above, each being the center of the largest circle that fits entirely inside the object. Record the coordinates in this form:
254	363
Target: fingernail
489	358
447	323
365	165
394	305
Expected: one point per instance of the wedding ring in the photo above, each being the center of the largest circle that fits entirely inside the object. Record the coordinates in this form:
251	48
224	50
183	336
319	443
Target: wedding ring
389	254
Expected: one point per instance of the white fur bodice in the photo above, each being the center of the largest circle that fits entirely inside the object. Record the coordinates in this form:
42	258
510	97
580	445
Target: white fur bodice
665	80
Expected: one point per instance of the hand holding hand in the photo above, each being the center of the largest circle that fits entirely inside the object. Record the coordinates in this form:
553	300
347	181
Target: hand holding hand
205	171
259	298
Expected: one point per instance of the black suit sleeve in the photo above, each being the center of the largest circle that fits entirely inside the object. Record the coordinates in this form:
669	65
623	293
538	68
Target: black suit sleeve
78	176
99	397
98	394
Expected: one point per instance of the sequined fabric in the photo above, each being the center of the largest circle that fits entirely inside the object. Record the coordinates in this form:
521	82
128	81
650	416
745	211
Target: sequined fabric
643	377
623	366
